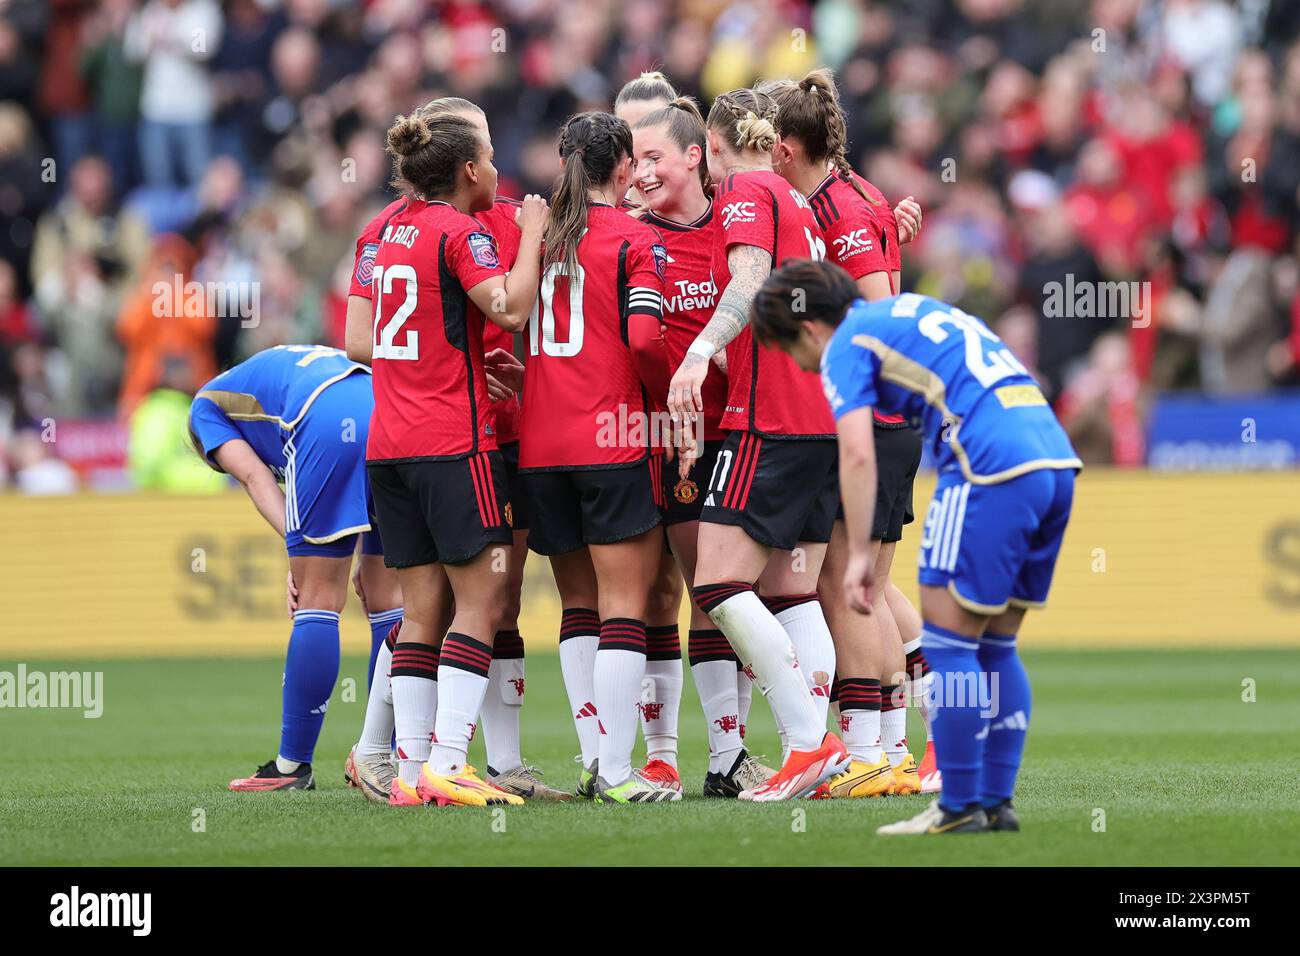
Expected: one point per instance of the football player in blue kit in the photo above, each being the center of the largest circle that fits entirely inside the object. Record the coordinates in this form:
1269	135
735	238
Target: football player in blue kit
994	527
300	414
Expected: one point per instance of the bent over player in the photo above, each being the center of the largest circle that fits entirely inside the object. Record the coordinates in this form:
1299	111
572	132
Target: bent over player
994	527
300	414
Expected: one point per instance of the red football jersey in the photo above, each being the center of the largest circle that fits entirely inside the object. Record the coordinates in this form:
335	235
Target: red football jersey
431	398
500	222
367	245
690	296
768	393
583	393
860	237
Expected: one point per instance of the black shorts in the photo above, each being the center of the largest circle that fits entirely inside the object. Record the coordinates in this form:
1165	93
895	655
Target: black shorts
780	491
517	508
440	511
577	507
684	497
898	455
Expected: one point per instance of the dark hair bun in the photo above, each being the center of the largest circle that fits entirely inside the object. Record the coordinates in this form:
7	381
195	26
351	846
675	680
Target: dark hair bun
408	134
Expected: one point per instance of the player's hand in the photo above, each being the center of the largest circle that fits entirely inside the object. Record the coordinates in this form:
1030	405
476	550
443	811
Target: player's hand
685	400
860	582
291	597
356	586
688	452
908	215
533	213
502	365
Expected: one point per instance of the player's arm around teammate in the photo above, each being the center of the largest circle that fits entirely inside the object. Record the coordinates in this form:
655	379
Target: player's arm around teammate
434	467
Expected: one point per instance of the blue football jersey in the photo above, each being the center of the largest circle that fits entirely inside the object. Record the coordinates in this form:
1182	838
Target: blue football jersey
919	357
262	399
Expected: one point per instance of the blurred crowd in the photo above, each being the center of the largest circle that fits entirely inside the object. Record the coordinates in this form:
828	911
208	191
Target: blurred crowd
1155	142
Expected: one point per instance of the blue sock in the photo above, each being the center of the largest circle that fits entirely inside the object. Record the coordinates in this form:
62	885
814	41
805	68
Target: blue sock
381	622
310	669
957	725
1010	725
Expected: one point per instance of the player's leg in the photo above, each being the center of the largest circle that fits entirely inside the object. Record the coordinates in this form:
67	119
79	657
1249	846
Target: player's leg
409	548
858	656
555	531
893	692
624	570
466	504
998	656
789	588
759	500
311	667
662	703
976	543
368	767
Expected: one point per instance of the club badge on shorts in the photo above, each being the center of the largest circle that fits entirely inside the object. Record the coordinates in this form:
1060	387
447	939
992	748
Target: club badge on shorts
686	491
510	515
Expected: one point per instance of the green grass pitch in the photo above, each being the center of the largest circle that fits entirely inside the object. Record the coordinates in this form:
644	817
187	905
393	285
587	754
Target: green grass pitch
1161	743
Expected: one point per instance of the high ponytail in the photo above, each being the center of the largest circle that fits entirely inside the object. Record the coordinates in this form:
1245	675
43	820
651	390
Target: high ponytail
591	145
810	112
646	88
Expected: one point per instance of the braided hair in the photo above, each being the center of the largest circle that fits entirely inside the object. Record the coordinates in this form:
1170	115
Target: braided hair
810	112
591	145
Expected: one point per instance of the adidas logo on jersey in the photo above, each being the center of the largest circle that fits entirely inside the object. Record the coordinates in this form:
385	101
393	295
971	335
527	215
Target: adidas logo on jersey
738	212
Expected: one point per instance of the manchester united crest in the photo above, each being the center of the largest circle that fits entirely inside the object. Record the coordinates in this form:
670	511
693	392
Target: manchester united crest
510	515
686	491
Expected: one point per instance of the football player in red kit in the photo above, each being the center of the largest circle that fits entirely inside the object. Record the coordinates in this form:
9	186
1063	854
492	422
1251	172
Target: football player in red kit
773	486
369	768
672	176
595	355
661	706
436	475
872	651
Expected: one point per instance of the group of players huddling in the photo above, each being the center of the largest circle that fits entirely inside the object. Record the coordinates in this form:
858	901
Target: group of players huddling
694	273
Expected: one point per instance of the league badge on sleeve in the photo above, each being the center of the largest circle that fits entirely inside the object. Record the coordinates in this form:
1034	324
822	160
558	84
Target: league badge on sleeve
366	263
661	260
484	250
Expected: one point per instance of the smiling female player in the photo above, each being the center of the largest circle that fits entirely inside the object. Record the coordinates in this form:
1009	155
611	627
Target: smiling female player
672	176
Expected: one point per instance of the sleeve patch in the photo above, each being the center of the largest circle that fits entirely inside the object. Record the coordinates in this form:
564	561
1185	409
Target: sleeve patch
661	260
483	249
366	263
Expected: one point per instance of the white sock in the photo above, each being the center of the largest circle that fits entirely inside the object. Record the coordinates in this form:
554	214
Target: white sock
762	644
744	698
501	705
859	720
286	766
893	731
619	671
579	638
377	731
806	625
659	714
415	706
462	681
715	680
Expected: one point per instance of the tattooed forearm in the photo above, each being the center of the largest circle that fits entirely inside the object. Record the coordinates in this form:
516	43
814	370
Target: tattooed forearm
749	266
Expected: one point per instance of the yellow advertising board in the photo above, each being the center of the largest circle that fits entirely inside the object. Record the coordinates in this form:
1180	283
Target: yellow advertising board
1150	560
